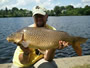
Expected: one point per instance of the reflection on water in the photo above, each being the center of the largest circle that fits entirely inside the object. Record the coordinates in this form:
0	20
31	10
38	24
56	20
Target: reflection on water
74	25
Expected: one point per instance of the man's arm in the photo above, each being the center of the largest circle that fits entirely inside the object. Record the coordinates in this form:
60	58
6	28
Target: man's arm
24	57
49	54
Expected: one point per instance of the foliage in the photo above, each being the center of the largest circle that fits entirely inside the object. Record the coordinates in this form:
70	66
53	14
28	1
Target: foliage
57	11
15	12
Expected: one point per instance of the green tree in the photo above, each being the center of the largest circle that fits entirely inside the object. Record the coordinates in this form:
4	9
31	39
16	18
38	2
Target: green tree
52	13
48	12
1	13
69	7
87	7
57	10
15	11
87	12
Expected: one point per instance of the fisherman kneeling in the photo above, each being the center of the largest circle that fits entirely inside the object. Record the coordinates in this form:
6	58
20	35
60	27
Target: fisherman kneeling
25	57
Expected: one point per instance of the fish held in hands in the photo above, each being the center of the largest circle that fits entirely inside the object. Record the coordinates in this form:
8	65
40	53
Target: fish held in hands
42	38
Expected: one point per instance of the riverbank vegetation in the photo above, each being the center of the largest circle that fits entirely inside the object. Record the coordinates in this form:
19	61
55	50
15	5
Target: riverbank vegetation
57	11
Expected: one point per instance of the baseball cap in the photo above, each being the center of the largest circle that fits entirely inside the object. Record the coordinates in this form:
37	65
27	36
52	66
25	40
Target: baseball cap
39	10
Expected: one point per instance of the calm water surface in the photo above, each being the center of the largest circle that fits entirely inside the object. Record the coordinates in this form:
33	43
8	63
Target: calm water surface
74	25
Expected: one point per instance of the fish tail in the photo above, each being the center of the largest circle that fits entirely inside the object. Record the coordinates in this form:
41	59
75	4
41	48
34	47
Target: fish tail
76	44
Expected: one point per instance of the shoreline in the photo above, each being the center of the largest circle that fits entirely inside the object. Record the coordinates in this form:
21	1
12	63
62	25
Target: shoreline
69	62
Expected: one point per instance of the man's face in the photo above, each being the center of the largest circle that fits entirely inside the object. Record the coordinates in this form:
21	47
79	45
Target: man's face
40	20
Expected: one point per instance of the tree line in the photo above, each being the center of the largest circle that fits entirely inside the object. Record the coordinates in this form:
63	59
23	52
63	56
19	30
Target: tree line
57	11
15	12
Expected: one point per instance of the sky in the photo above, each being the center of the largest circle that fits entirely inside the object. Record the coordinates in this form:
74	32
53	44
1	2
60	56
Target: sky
48	4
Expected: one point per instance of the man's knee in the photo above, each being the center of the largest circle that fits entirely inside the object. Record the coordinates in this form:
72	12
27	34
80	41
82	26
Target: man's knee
45	64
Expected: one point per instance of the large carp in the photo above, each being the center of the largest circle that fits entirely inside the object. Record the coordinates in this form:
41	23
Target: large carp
42	38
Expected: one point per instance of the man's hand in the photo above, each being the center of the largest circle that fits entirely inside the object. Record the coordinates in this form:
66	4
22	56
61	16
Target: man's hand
24	57
62	44
26	50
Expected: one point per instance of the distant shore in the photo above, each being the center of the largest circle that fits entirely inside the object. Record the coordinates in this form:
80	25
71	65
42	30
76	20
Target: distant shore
68	10
49	16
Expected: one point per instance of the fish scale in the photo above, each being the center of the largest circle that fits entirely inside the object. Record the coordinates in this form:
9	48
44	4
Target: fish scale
40	36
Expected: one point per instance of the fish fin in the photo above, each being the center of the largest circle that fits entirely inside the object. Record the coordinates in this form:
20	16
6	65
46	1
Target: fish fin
76	44
77	49
25	44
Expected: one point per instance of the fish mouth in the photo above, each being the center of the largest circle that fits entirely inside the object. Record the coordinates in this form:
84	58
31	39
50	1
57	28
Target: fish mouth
8	39
14	41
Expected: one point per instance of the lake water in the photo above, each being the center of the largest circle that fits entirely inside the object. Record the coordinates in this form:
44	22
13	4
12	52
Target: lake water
74	25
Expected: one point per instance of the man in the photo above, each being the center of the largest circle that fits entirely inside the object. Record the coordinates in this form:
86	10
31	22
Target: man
24	57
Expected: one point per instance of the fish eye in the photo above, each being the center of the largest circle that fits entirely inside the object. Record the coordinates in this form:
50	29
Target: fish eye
12	34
